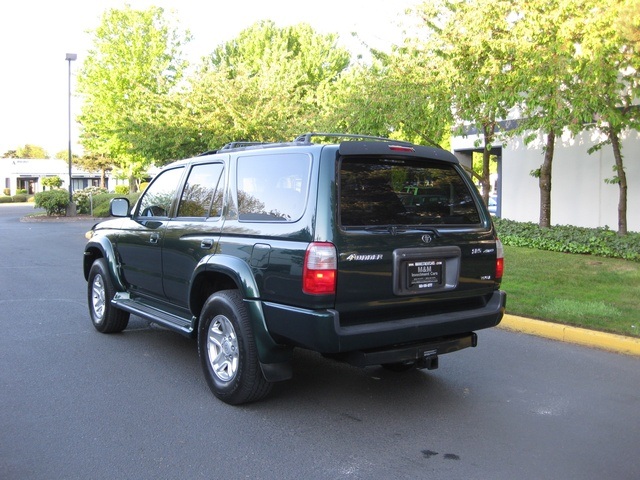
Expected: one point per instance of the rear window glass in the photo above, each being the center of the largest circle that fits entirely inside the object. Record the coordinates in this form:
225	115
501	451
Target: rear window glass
272	188
403	192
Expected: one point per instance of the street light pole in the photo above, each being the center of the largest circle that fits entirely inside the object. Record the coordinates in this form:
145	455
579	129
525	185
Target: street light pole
70	58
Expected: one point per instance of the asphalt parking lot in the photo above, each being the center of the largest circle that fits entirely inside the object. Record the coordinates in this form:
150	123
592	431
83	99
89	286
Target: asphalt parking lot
78	404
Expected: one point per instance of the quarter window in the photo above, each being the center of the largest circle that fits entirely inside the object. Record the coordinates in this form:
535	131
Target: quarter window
272	188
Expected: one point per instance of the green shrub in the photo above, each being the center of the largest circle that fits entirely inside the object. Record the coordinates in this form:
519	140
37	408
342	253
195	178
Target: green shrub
601	242
21	191
122	189
53	201
101	203
53	182
6	199
83	198
7	191
20	198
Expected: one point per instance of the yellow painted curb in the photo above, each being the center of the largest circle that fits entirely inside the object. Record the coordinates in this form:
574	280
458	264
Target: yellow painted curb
566	333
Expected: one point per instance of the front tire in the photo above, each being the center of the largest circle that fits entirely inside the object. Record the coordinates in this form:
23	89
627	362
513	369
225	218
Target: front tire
105	317
227	349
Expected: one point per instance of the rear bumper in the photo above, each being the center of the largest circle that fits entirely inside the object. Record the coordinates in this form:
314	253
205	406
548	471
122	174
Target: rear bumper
424	354
321	331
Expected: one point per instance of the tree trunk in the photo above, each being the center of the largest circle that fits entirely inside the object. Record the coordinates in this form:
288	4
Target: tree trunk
622	182
485	180
545	182
133	184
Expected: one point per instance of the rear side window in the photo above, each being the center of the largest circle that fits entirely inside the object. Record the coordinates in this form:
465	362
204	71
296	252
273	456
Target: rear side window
379	191
201	196
272	188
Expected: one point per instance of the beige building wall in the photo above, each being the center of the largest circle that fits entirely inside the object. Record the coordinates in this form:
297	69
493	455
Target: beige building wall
579	194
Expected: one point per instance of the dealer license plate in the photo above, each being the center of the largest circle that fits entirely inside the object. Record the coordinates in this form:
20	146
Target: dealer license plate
424	275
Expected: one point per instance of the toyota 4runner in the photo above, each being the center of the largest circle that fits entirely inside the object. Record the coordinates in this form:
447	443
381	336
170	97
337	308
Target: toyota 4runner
370	251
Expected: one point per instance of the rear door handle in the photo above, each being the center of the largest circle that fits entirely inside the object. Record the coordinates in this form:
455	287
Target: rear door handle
206	244
153	238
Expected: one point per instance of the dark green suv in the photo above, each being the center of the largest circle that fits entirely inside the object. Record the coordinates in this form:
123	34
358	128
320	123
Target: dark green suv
258	249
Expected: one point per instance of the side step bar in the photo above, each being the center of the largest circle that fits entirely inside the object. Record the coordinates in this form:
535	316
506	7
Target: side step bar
180	324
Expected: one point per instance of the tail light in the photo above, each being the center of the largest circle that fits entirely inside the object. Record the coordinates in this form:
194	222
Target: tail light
499	260
320	268
401	148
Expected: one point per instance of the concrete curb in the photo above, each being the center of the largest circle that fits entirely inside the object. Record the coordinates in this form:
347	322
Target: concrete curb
566	333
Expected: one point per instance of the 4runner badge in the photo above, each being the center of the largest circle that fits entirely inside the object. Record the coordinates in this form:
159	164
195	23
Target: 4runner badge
354	257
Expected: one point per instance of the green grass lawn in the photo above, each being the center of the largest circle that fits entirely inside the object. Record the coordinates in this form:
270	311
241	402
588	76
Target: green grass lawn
581	290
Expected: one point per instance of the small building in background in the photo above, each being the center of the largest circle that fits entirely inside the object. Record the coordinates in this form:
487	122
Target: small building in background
26	174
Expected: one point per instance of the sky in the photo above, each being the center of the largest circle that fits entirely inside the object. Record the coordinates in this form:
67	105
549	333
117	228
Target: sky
36	35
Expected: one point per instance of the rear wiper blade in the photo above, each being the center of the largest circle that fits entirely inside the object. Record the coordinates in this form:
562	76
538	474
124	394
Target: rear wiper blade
396	229
422	228
393	229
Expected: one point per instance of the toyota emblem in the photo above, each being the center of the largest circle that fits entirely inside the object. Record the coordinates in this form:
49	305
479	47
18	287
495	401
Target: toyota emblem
426	238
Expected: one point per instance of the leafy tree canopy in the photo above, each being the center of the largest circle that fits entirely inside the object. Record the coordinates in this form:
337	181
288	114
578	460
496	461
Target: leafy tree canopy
132	68
31	151
265	85
397	95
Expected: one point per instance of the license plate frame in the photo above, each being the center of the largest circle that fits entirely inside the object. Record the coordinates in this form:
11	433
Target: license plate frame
443	276
424	275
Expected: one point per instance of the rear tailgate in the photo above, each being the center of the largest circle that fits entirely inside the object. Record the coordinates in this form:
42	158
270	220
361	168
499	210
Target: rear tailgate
414	238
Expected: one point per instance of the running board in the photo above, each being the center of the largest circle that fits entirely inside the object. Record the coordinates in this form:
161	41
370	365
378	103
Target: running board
180	324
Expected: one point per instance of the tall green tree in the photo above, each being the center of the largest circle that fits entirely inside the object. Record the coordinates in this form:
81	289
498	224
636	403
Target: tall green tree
126	79
264	85
609	70
476	47
580	72
31	151
628	22
551	31
399	95
96	163
64	155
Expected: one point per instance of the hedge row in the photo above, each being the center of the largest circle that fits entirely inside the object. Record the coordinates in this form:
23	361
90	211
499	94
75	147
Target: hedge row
19	198
601	242
55	201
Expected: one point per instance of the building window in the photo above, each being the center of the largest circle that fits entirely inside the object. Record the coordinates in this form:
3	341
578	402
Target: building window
28	184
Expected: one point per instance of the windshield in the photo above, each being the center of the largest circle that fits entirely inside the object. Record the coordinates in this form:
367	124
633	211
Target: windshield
381	191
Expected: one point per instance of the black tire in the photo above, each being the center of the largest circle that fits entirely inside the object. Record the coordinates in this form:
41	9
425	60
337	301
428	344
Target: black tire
100	291
227	350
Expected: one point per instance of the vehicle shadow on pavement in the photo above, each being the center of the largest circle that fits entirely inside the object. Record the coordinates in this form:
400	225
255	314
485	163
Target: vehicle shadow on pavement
316	379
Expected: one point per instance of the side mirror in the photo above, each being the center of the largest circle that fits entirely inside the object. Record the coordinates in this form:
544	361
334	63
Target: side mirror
119	207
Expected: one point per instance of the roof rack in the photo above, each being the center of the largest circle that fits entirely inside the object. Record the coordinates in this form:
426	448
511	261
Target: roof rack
306	137
232	146
301	139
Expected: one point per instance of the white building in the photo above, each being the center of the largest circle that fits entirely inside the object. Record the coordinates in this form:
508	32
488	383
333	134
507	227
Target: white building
579	194
27	174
